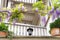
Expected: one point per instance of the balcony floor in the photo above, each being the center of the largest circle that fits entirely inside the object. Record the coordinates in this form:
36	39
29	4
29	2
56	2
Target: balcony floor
33	38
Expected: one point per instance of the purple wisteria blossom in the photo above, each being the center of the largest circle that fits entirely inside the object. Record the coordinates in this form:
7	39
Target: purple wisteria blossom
53	16
14	21
51	11
18	7
23	8
58	12
44	19
54	13
38	16
9	13
0	18
7	19
36	10
8	16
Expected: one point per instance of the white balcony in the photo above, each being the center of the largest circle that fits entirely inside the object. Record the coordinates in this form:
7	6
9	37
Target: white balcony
21	29
26	1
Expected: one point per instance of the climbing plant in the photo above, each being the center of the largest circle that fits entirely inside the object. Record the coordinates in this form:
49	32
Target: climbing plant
53	10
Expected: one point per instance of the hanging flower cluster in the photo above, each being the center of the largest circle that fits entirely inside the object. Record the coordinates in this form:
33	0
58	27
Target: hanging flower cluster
40	8
2	15
17	13
14	14
55	11
52	10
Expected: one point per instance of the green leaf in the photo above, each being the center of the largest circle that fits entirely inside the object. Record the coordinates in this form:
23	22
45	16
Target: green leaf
56	3
20	16
39	5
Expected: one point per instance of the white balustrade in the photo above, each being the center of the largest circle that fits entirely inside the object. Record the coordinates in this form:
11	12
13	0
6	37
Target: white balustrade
21	30
27	1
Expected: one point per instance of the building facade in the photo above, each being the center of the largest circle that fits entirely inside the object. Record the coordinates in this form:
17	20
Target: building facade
30	18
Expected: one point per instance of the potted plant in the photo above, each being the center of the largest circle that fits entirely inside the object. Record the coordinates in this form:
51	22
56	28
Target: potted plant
4	32
55	27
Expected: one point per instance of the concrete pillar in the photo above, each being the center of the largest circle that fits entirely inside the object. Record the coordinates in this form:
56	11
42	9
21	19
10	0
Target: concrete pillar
9	4
3	3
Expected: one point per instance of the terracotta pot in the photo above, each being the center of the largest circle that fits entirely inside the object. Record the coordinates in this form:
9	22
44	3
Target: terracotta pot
3	34
55	32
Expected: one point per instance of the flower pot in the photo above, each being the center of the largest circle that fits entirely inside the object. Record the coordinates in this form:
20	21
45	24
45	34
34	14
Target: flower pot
3	34
55	32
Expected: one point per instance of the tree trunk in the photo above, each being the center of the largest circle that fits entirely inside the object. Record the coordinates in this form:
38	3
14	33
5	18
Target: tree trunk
47	21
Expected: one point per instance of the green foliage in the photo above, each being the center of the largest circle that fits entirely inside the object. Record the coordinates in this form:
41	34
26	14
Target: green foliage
55	24
39	0
3	27
20	16
39	5
16	13
3	15
49	8
10	35
56	3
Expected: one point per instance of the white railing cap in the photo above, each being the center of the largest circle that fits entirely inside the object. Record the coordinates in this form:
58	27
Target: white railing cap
27	25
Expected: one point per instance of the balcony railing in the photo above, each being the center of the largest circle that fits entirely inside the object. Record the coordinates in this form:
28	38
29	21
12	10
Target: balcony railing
27	1
21	30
